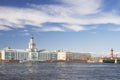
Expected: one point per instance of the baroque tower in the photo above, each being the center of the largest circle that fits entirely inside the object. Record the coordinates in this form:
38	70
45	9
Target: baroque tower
32	45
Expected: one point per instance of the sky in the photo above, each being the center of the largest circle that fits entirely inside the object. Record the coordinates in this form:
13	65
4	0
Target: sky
79	25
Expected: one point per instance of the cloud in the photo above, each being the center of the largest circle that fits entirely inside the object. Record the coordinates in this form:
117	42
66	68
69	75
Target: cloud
73	14
73	27
2	27
52	29
20	17
71	8
26	32
84	6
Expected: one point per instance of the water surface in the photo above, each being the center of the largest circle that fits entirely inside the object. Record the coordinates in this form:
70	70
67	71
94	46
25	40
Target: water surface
59	71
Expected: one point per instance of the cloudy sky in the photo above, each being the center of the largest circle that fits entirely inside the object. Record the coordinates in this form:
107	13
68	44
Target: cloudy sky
82	25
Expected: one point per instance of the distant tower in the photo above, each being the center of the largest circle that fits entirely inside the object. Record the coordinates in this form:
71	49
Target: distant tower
111	54
32	45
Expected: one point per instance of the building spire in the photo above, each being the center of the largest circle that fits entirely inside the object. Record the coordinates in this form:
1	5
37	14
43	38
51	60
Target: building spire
32	36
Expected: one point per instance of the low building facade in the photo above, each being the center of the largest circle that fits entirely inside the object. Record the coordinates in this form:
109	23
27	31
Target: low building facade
47	56
61	55
77	56
14	54
32	54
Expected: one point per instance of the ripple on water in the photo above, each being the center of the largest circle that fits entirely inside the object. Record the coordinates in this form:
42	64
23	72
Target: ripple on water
59	71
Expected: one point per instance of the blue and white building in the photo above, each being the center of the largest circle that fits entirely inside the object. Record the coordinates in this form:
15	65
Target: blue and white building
14	54
32	54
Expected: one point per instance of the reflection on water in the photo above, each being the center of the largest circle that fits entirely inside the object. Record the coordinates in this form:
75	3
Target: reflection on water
30	67
59	71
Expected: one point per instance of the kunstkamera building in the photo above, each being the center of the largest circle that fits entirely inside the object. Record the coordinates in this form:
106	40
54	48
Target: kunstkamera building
32	54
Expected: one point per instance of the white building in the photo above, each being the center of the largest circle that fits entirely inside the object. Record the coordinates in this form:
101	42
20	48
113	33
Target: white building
61	55
18	54
31	54
14	54
47	56
32	45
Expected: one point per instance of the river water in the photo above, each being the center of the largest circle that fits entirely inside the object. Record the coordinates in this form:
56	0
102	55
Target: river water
59	71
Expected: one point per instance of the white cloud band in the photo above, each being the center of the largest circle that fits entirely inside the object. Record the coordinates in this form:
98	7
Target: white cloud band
73	13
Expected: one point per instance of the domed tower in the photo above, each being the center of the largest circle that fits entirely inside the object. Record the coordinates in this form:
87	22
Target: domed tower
32	45
111	54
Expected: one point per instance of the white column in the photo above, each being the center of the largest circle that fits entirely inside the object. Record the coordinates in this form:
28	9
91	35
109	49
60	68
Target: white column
3	55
